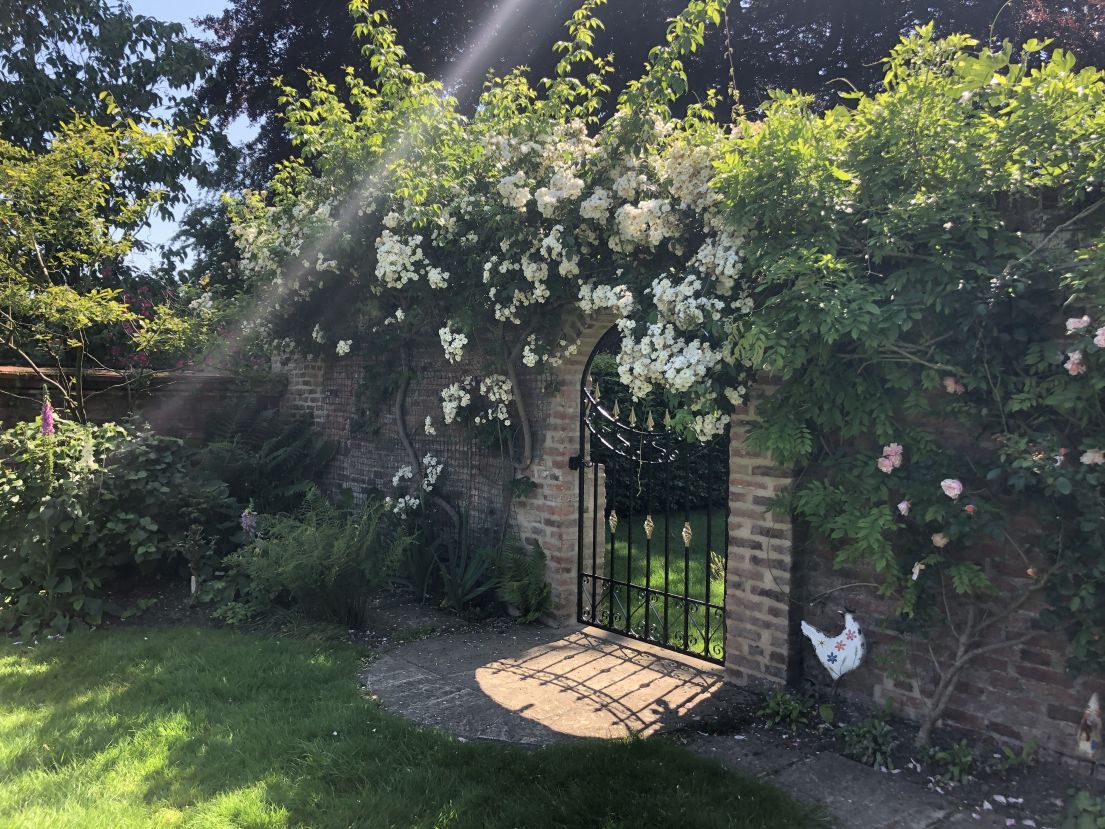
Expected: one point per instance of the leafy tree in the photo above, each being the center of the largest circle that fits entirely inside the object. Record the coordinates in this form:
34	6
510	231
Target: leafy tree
66	225
58	56
806	45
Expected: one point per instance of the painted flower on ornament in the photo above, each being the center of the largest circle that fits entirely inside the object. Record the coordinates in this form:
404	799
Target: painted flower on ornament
1093	457
903	507
940	540
1077	323
952	487
953	386
1074	364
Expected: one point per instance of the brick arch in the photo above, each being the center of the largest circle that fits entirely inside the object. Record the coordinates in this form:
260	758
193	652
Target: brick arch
757	602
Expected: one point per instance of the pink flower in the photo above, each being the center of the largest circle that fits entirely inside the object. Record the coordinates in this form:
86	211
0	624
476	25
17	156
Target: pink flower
885	465
1074	364
952	487
1099	337
940	540
969	509
893	451
1093	457
953	386
903	507
1077	323
48	427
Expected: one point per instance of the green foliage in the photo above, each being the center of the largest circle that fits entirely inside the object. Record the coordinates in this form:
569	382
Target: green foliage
786	710
522	581
323	559
870	742
77	505
265	458
1083	811
467	572
955	764
1016	759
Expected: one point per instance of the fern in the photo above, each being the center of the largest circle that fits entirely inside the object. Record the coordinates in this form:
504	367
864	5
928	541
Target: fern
522	583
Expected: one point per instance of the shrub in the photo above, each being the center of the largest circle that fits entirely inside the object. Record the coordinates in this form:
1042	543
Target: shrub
784	709
870	742
1083	811
265	459
325	560
81	502
522	581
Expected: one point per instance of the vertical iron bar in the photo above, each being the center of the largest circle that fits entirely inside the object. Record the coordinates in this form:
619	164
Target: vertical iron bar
648	556
580	489
667	561
594	540
709	548
629	561
686	557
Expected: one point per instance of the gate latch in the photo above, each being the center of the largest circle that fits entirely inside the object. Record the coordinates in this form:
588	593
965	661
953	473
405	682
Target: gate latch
573	463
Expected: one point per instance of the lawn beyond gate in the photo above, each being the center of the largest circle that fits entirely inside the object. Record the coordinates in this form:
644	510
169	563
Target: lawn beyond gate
207	728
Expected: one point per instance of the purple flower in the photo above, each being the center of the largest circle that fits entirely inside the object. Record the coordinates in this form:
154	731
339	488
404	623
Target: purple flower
48	426
249	522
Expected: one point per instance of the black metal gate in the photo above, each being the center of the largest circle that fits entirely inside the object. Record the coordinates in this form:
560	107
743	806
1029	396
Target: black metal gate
653	515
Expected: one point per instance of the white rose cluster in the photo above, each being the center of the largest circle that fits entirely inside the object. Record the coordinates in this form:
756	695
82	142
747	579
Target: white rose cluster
594	298
453	342
498	389
596	207
688	169
682	303
343	347
661	357
455	397
398	259
432	468
720	258
514	191
646	223
563	185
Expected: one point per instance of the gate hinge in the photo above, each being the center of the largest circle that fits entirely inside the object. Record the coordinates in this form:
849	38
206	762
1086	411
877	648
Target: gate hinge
573	463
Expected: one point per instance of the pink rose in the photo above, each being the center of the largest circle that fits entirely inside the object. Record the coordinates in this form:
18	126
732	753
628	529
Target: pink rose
1077	323
893	453
940	540
885	465
953	386
1074	364
1099	337
903	507
952	487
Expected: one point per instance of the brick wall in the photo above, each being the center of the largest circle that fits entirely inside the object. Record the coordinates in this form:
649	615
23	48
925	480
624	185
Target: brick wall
1016	693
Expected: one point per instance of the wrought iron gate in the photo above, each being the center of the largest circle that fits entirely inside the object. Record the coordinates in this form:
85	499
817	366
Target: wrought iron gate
653	513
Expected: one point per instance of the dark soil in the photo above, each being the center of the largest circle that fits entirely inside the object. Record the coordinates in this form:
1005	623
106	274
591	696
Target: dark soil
1029	796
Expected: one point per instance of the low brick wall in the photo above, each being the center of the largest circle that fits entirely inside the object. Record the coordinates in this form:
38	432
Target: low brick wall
174	403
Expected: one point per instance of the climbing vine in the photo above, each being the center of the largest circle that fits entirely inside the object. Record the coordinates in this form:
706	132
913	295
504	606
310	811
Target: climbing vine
920	270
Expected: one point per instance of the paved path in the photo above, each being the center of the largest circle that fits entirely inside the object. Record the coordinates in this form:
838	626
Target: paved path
537	685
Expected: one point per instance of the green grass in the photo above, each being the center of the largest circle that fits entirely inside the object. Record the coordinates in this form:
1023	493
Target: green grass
205	728
649	569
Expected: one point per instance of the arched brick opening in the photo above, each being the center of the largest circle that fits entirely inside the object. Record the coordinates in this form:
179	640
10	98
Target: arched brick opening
758	579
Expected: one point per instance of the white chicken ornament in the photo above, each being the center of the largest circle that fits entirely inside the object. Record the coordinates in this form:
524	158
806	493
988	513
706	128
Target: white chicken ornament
841	653
1089	730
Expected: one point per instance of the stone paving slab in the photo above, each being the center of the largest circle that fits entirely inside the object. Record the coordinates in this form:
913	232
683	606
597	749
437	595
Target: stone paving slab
536	686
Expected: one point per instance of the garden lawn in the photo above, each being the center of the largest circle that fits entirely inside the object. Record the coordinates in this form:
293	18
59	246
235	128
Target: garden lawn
206	728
